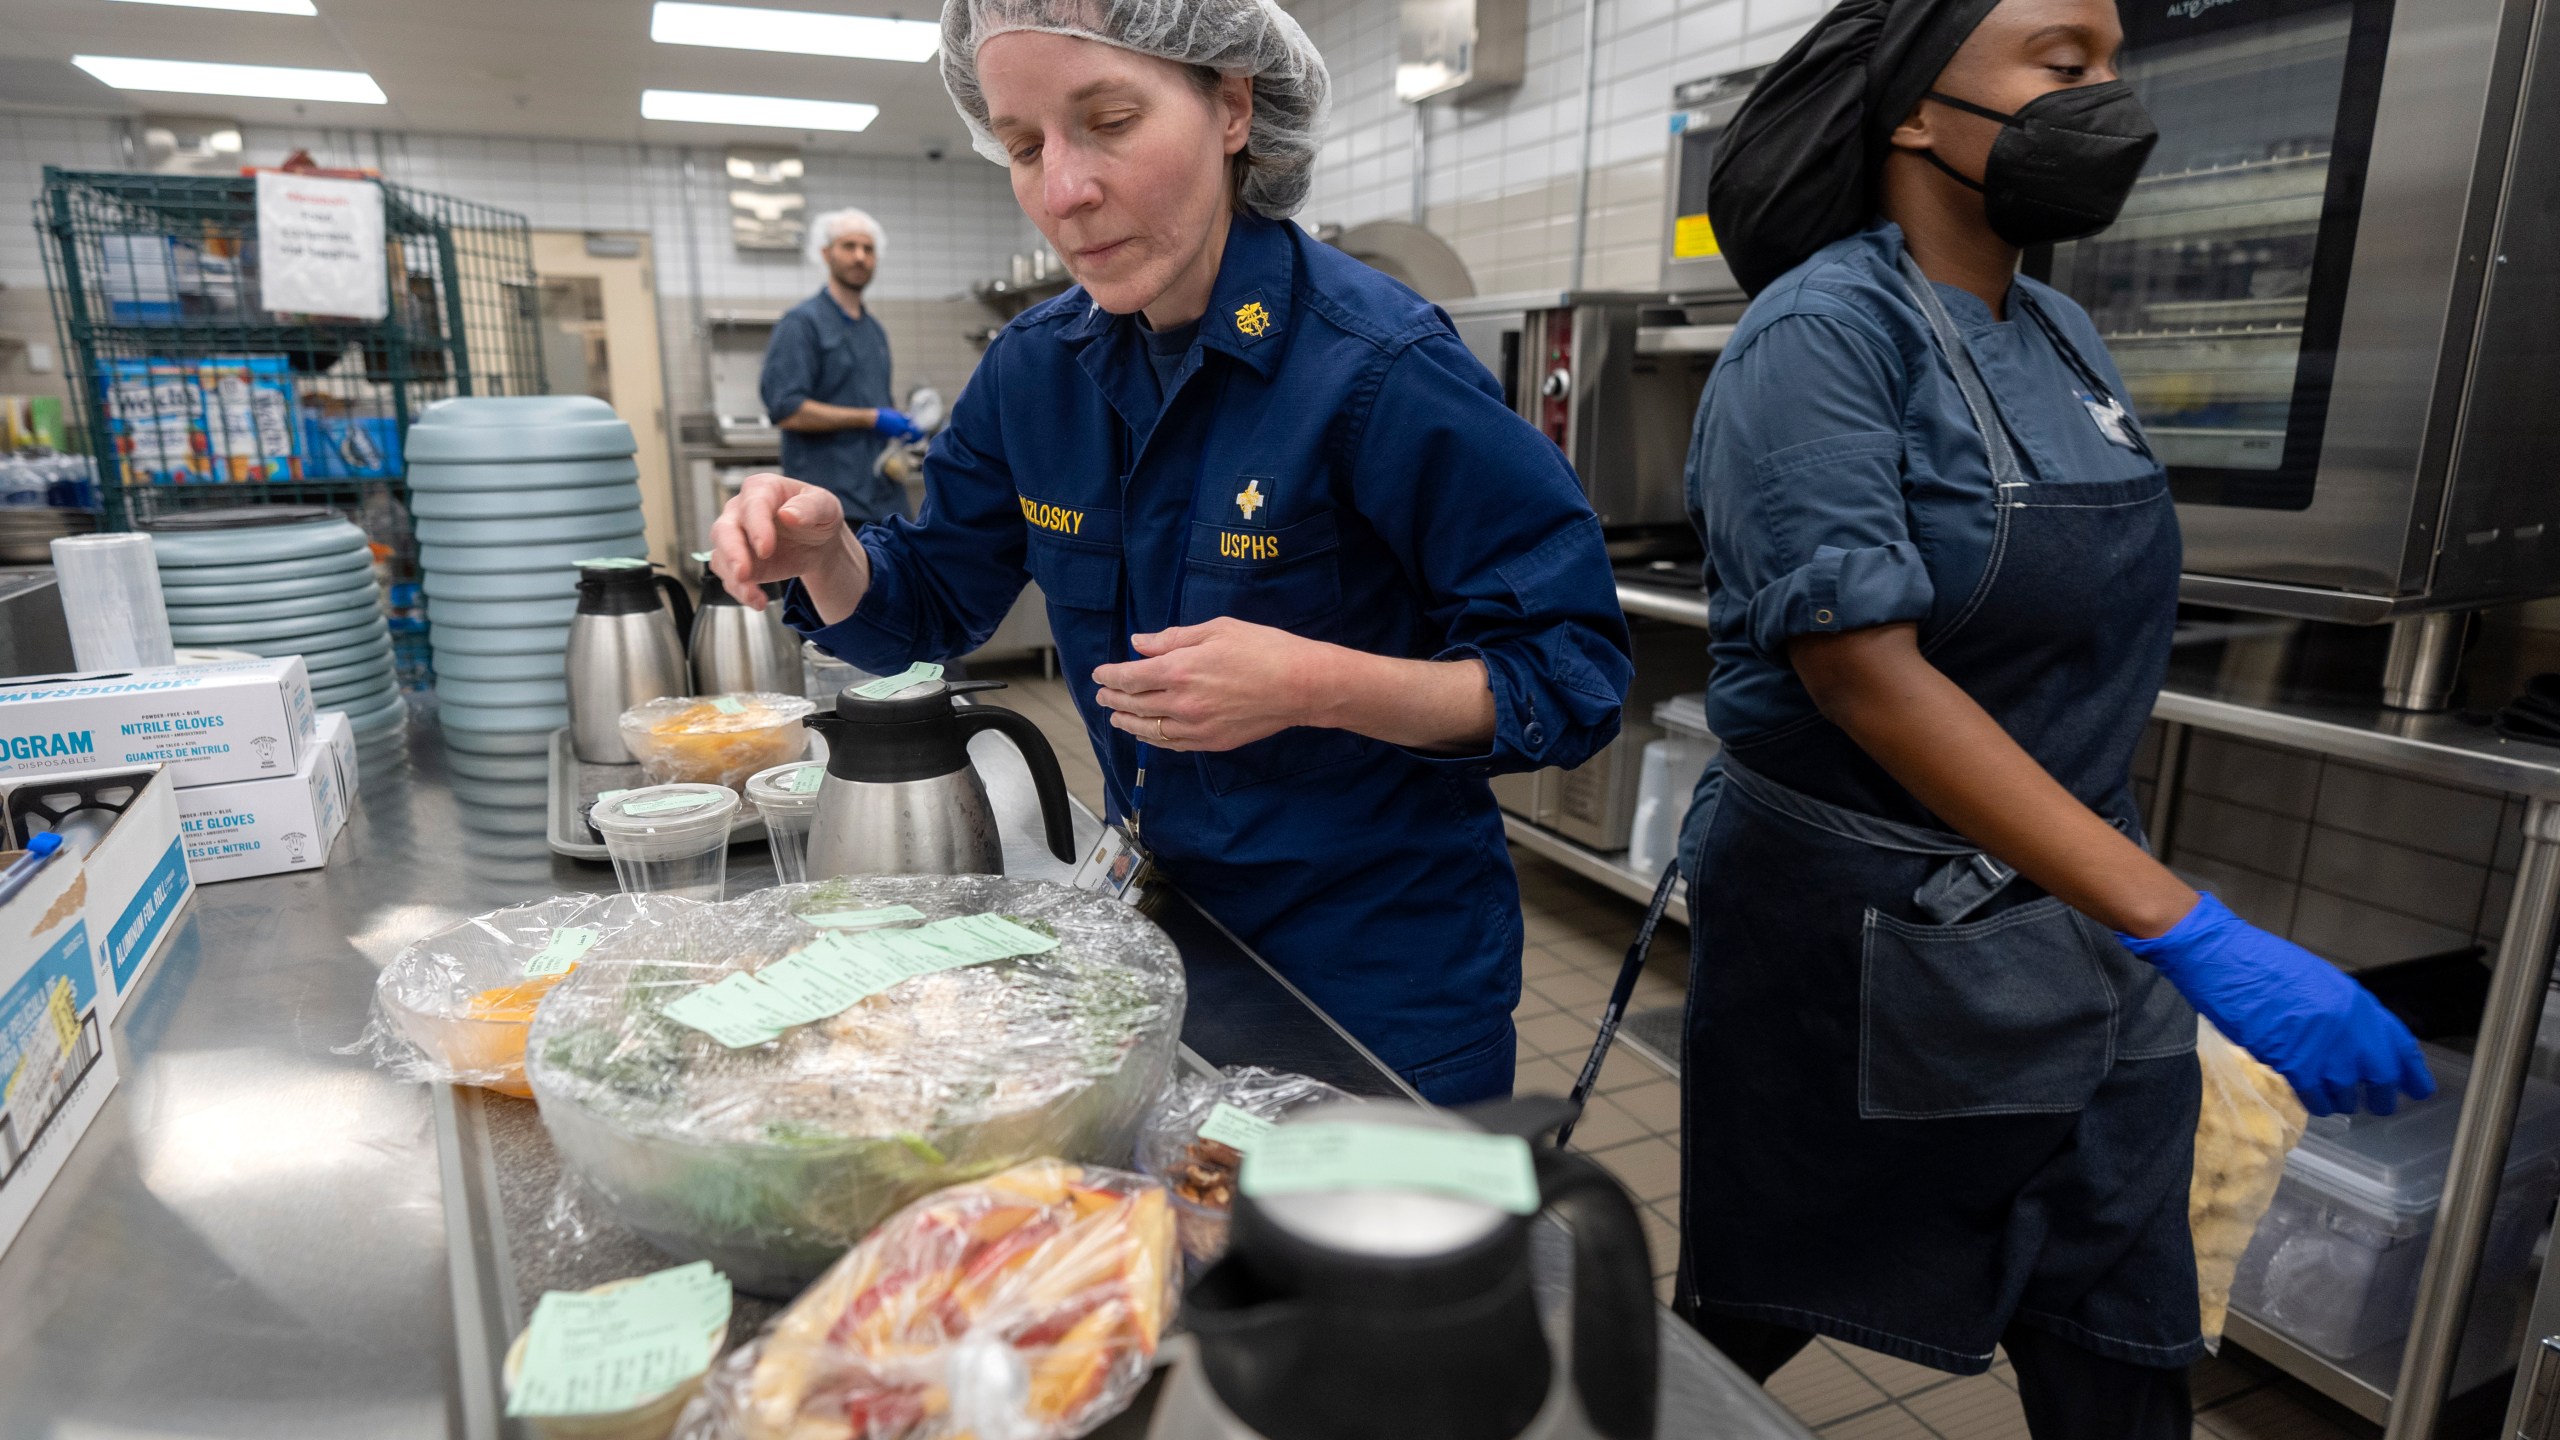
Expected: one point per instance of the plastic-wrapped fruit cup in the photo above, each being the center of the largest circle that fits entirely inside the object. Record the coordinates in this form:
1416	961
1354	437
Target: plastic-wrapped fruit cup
651	1419
715	739
669	839
787	797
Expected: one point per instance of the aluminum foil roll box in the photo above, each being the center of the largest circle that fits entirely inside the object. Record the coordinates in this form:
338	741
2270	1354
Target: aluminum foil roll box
127	856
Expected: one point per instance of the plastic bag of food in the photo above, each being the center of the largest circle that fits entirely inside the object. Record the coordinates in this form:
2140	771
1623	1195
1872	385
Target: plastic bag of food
1201	1170
2250	1120
769	1151
715	739
454	1007
1025	1306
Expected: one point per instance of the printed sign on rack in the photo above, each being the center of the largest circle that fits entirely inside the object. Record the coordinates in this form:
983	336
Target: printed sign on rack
320	249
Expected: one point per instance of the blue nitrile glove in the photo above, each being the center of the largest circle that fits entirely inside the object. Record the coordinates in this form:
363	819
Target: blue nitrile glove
2300	1015
896	426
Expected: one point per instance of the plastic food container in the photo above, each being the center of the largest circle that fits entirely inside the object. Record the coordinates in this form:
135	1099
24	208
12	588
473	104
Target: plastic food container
715	739
787	797
453	1007
827	676
651	1419
669	839
772	1158
2335	1263
1200	1172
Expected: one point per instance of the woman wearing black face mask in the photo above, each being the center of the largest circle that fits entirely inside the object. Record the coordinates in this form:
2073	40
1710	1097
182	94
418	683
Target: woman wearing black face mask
1941	1090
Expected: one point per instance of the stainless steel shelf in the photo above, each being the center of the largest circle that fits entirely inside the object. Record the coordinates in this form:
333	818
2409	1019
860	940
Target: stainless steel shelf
1680	607
1593	865
2317	1371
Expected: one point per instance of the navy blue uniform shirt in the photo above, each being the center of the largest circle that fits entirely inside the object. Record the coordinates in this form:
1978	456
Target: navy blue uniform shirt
1333	462
820	353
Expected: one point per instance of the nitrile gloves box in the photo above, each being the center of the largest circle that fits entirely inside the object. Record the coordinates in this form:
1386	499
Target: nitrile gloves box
211	724
55	1064
122	829
262	827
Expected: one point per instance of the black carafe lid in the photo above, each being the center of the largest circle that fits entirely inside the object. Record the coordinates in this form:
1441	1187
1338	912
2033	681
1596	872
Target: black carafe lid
618	586
1424	1326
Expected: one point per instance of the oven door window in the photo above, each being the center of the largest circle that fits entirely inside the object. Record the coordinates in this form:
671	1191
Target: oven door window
2221	287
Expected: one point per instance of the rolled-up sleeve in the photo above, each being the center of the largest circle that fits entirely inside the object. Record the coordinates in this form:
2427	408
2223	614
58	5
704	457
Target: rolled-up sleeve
1493	531
942	582
1799	479
790	367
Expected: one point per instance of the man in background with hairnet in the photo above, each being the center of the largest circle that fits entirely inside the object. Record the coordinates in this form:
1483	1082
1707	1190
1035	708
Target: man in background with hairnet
826	376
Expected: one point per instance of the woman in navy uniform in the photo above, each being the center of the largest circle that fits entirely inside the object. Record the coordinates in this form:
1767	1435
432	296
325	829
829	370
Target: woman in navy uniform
1322	581
1940	1089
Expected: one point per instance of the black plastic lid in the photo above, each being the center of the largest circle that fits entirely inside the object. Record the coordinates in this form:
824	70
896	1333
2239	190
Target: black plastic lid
618	587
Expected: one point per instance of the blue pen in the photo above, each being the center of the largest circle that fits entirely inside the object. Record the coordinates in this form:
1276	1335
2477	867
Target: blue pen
39	850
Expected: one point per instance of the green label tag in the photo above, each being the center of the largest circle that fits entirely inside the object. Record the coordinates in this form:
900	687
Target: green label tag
604	795
1236	1129
1491	1170
598	1354
565	948
667	804
701	557
613	562
837	971
807	779
728	704
737	1012
864	919
890	685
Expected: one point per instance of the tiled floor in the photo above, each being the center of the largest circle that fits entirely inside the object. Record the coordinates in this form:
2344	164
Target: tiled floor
1577	934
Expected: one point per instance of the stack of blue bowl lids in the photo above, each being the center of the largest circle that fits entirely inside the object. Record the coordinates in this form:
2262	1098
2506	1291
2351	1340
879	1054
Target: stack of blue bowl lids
279	580
507	495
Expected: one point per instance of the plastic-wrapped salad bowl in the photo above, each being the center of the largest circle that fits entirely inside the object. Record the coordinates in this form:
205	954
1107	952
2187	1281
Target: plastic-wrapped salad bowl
771	1158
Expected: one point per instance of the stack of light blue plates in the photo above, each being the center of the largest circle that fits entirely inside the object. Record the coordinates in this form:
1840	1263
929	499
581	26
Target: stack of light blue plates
285	580
508	494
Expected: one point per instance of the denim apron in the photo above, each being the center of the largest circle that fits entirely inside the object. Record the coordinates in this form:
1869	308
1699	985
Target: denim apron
1924	1100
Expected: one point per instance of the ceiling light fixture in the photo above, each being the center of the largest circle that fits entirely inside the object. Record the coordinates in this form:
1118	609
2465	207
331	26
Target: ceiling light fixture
261	7
203	77
705	109
793	32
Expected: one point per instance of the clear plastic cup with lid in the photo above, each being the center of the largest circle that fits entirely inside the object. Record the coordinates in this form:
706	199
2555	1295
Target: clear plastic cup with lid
669	839
787	797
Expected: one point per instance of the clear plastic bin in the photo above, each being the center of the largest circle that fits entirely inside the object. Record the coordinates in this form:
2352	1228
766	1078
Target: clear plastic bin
2335	1263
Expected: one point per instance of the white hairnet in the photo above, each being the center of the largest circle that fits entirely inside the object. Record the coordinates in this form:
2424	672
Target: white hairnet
1233	37
824	230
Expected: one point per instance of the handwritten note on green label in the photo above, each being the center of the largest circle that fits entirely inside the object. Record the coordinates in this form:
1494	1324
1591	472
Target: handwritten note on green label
728	704
865	919
888	685
1351	1155
807	779
1236	1129
604	795
599	1353
565	948
667	804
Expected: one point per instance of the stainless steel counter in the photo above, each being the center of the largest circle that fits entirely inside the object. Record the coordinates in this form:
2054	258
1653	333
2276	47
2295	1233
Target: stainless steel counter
263	1238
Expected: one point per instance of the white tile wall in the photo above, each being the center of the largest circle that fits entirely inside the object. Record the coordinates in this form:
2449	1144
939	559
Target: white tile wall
1498	177
949	222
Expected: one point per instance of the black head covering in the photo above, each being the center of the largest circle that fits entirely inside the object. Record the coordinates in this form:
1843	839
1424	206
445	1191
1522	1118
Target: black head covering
1797	167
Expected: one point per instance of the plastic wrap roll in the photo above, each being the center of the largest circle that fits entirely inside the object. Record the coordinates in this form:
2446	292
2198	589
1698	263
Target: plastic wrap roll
111	601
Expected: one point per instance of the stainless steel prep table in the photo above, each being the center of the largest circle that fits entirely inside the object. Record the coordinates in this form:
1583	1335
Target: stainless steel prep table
263	1238
2440	748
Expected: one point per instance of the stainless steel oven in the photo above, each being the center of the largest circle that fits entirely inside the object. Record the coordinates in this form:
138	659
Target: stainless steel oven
1692	261
2335	298
1613	378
